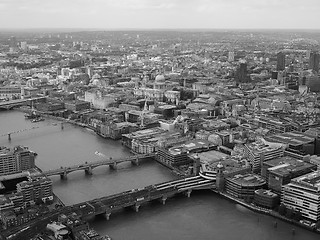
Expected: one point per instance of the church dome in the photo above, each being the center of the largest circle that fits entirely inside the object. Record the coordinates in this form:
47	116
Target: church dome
160	78
96	82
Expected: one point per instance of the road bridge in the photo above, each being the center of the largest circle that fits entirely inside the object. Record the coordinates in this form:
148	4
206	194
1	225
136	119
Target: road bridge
88	167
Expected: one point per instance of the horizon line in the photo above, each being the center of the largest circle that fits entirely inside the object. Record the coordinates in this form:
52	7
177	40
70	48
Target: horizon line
76	29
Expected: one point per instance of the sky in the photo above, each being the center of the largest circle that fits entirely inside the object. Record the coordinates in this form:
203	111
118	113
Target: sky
160	14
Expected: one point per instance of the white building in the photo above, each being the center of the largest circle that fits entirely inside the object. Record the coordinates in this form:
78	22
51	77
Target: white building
231	56
303	194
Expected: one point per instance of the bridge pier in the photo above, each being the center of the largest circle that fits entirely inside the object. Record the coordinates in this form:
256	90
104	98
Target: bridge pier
188	193
163	200
88	171
136	207
135	162
107	216
64	176
113	166
9	136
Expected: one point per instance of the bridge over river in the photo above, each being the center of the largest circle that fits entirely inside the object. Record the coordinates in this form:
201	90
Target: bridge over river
108	205
19	102
88	167
137	197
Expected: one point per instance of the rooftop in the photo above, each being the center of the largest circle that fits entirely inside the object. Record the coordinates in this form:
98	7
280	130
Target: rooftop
287	165
310	179
258	148
248	180
291	138
265	192
4	200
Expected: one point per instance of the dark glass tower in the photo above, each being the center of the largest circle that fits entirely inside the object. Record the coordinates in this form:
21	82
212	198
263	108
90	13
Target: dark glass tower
314	61
281	61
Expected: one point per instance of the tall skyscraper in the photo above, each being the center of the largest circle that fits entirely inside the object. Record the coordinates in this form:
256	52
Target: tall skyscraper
242	73
231	56
24	45
314	61
13	42
281	61
308	54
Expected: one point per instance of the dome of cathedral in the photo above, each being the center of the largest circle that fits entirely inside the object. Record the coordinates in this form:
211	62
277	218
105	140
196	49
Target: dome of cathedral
160	78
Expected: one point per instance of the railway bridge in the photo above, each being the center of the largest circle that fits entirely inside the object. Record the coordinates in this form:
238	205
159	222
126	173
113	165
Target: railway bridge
137	197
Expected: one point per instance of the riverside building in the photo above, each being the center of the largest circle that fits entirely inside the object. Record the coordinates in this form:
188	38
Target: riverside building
303	194
279	171
244	186
16	160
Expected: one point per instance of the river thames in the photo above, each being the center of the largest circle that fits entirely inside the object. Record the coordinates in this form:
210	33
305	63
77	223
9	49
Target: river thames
203	216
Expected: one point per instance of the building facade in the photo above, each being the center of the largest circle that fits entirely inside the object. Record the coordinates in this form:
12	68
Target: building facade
16	160
303	194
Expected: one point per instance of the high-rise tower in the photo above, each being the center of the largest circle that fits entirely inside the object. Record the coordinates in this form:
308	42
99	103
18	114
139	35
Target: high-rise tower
314	61
281	61
231	56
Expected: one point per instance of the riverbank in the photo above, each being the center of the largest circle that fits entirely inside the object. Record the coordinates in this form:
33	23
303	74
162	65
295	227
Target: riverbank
87	185
264	211
61	119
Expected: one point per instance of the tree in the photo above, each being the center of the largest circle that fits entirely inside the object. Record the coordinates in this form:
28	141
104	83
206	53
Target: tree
289	213
282	209
297	215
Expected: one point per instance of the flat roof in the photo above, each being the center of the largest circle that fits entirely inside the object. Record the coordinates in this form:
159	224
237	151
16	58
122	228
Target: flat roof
258	148
311	179
14	176
291	138
265	192
248	180
211	156
286	165
190	145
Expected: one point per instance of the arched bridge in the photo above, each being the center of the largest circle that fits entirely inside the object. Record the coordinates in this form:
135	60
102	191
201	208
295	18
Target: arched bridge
88	167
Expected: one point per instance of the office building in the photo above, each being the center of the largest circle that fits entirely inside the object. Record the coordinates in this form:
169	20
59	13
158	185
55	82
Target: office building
36	189
242	75
303	194
281	61
298	142
257	153
279	171
314	61
13	42
231	56
173	156
16	160
24	46
265	198
244	186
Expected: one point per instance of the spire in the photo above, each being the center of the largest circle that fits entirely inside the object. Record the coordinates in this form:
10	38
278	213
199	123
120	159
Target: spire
145	108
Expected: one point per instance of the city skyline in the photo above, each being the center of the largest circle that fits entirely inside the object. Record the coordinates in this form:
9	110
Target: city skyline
156	14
